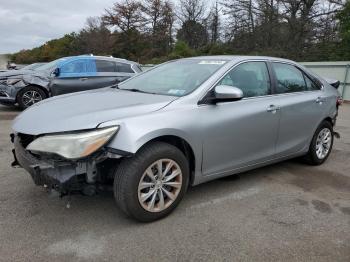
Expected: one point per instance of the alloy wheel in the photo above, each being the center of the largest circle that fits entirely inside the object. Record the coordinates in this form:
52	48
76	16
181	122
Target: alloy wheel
160	185
323	143
31	97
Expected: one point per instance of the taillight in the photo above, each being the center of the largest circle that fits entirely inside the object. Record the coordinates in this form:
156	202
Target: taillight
339	100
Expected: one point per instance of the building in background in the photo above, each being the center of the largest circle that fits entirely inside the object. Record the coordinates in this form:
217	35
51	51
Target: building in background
335	70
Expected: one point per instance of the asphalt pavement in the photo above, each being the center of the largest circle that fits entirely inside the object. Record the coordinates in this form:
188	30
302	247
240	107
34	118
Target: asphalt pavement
285	212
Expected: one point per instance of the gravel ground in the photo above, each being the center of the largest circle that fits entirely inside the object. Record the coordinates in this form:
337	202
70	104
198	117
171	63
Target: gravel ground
285	212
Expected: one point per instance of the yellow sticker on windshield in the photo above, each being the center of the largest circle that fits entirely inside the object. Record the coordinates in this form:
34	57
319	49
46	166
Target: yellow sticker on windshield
211	62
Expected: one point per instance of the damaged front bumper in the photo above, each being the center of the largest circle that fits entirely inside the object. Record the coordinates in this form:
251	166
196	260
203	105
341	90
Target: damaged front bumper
7	95
59	174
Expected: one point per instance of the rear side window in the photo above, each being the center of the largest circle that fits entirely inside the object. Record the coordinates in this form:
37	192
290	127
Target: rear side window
289	78
124	68
74	67
251	77
105	66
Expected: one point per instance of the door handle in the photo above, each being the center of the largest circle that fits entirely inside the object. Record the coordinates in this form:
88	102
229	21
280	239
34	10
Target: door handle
319	100
273	109
84	78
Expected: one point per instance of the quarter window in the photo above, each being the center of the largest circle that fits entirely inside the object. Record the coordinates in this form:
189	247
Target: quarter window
251	77
124	68
289	79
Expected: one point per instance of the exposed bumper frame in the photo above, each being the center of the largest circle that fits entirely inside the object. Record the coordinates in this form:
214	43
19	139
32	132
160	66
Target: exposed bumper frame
60	175
63	175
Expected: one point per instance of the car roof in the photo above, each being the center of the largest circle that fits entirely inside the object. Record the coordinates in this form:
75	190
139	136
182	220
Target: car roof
240	58
70	58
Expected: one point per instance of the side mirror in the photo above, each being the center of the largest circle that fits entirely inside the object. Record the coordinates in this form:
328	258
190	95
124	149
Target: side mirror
56	72
223	93
227	93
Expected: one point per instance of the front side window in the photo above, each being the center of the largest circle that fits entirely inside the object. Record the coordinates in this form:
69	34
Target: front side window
251	77
74	67
176	78
289	78
105	66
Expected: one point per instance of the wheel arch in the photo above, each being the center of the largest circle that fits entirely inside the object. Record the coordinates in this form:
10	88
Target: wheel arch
45	90
327	119
182	145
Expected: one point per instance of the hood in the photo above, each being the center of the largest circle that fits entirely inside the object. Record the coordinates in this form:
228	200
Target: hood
14	73
86	110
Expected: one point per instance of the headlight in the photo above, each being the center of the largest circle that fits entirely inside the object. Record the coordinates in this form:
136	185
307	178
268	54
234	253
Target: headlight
74	145
12	81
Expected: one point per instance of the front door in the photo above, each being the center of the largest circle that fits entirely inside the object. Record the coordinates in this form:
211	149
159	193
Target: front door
241	133
74	76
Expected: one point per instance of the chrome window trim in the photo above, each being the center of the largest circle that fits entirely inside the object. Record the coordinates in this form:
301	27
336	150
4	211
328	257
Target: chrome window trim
132	68
302	70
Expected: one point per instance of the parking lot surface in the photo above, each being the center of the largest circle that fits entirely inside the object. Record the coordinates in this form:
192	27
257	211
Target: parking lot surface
284	212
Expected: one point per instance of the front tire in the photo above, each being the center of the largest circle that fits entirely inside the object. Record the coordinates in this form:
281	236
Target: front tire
30	95
151	184
321	144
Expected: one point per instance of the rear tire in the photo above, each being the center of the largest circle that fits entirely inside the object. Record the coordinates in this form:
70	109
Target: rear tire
321	144
145	194
30	95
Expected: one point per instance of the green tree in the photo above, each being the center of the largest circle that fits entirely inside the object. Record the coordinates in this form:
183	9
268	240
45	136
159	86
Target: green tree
344	25
193	33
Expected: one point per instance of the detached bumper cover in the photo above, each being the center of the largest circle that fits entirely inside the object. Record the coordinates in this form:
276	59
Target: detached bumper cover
56	174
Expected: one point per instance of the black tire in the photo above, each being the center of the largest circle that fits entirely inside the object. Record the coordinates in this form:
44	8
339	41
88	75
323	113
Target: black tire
21	100
130	171
311	157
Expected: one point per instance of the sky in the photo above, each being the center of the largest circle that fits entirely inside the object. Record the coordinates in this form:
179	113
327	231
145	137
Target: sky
25	24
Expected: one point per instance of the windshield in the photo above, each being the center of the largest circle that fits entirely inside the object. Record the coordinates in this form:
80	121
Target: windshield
50	66
177	78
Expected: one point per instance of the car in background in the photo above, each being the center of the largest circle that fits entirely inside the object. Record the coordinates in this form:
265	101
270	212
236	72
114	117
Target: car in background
33	66
62	76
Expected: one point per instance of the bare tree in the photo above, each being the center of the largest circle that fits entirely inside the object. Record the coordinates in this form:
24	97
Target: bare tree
214	23
191	10
126	15
291	26
159	17
95	37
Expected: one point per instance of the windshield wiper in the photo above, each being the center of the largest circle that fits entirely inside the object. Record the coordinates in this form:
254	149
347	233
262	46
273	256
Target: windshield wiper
138	91
116	86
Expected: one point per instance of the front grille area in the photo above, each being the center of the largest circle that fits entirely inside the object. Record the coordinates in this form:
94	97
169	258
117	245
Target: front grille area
3	81
3	94
25	139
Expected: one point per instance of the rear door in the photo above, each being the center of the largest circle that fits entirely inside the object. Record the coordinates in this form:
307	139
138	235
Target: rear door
241	133
106	74
110	72
301	102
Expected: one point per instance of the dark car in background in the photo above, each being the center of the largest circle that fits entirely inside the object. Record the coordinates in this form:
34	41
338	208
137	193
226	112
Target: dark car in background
62	76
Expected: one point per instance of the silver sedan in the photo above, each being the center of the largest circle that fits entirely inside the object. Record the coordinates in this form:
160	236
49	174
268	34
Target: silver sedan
182	123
